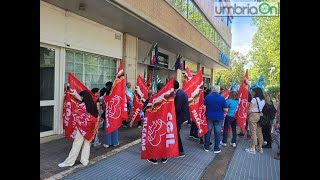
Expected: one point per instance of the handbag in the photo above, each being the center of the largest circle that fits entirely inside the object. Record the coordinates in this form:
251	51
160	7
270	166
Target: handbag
263	119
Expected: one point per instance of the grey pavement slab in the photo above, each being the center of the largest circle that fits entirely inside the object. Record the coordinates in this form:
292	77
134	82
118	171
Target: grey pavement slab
246	166
128	165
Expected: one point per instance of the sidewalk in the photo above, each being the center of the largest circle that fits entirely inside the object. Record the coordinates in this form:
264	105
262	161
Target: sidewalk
128	165
54	152
245	166
125	163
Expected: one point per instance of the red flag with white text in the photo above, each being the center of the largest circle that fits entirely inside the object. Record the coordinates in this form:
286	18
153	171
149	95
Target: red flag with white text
193	89
76	117
159	133
76	85
69	124
241	111
140	96
85	122
116	102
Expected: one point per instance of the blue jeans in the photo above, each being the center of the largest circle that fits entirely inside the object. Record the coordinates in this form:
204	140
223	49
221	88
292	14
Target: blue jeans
229	121
112	138
96	139
216	124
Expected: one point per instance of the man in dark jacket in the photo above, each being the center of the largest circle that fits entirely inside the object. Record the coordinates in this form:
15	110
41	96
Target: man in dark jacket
182	112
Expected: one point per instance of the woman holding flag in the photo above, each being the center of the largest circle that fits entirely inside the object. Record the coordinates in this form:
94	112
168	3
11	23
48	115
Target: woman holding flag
79	141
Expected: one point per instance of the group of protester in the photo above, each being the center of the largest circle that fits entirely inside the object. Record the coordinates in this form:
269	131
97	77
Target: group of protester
218	111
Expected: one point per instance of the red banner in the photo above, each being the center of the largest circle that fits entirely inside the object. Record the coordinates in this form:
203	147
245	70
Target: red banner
195	93
116	103
241	112
159	133
76	117
69	124
187	77
140	96
85	123
77	86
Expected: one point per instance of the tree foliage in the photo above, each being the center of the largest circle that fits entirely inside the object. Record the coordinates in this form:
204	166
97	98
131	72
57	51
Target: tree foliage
265	51
238	61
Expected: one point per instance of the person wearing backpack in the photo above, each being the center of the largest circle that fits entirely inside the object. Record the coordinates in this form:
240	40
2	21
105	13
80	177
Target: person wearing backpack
255	106
269	111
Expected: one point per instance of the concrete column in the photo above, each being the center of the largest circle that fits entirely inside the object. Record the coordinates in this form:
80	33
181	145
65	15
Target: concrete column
130	57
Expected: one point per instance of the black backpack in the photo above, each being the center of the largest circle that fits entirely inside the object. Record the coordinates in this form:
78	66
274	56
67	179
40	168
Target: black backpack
268	114
269	111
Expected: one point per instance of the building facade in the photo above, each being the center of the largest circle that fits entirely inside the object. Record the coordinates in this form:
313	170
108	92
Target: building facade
89	37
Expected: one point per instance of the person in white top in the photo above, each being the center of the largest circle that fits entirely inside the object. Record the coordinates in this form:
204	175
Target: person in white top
255	107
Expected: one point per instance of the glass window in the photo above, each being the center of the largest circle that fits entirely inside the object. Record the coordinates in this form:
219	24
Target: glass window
184	7
46	118
47	61
91	69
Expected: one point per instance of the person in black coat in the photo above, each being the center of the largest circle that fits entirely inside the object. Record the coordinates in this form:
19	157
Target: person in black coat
182	112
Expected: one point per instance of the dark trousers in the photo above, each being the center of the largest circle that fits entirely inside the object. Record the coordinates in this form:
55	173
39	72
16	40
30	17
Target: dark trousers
227	122
179	138
266	132
193	129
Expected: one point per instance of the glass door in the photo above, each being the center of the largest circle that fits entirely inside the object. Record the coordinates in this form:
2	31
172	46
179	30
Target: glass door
48	89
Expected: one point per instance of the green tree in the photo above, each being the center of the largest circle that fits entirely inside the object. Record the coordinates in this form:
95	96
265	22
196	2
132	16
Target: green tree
238	61
265	51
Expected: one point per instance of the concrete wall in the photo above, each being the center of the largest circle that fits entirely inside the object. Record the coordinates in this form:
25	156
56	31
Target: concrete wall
65	29
130	56
161	14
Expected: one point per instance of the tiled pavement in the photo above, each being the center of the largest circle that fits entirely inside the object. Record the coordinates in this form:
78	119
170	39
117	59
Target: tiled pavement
54	152
246	166
128	165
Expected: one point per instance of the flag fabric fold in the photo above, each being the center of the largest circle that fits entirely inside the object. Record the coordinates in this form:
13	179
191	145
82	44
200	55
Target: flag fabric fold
241	111
218	81
159	132
187	76
178	64
76	86
193	89
75	116
116	103
140	96
259	83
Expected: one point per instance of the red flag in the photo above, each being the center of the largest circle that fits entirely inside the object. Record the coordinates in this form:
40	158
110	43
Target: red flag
196	102
77	86
159	133
241	111
225	94
85	123
69	123
187	77
140	96
116	103
76	117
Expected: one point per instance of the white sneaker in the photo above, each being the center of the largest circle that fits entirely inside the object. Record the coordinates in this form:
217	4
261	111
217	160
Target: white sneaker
233	144
223	144
216	152
252	151
64	165
260	150
98	144
265	142
105	145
